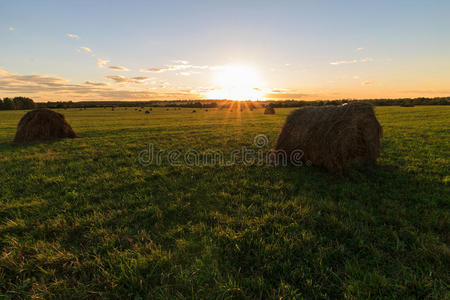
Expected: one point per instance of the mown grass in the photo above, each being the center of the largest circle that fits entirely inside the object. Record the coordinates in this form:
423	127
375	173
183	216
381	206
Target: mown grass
83	219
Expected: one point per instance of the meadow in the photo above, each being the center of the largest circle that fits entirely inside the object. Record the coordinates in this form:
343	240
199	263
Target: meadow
82	218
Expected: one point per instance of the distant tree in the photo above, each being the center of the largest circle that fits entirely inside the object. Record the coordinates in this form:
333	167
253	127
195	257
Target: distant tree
8	104
23	103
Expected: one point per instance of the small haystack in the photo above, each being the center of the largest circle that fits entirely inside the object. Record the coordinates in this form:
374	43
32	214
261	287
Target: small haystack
406	105
269	110
194	111
334	137
43	125
147	112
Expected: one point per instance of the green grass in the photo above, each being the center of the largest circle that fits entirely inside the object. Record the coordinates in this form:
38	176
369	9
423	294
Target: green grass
83	219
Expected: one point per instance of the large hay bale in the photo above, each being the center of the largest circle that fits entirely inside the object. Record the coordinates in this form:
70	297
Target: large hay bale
269	110
334	137
43	125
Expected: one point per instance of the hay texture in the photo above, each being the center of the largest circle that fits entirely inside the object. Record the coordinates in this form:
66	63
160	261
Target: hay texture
333	137
269	110
43	125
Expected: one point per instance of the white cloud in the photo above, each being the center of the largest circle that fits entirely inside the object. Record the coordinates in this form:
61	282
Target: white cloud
122	79
73	36
360	49
354	61
172	68
118	68
179	61
102	62
86	49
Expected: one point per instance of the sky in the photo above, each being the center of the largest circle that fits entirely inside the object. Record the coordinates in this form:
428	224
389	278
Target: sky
166	50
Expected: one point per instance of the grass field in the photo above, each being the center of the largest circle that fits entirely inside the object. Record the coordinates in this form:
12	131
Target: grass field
83	218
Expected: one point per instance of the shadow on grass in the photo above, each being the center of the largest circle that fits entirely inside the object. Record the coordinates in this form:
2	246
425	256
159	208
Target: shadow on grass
266	231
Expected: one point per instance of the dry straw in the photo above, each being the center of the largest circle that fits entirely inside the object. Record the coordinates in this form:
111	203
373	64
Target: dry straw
333	137
269	110
43	125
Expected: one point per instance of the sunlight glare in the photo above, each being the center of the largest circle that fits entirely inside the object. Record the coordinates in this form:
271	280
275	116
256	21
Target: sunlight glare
236	82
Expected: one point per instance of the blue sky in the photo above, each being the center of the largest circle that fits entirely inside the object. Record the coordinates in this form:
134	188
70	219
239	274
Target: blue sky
179	49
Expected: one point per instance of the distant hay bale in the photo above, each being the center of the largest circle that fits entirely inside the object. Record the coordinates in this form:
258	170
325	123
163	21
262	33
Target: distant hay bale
333	137
406	105
147	112
269	110
194	111
43	125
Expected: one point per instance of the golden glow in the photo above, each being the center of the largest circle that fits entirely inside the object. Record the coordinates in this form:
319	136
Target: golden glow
236	83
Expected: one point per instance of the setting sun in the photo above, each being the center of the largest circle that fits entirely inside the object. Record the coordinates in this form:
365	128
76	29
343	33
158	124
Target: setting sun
236	82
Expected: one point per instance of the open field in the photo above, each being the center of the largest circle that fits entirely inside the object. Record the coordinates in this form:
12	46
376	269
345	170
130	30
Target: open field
83	218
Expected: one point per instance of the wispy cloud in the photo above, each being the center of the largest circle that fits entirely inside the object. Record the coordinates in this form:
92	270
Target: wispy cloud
187	73
118	68
48	88
279	95
360	49
173	68
354	61
73	36
179	61
86	49
122	79
11	28
95	83
101	63
367	83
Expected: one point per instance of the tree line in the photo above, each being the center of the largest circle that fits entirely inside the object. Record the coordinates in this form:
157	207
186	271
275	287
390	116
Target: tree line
17	103
28	103
376	102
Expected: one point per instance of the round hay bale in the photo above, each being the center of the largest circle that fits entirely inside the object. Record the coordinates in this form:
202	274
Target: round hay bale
43	125
333	137
194	111
147	112
269	110
406	105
